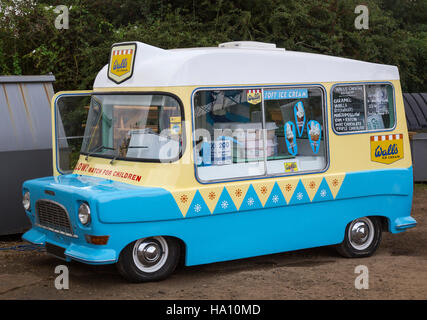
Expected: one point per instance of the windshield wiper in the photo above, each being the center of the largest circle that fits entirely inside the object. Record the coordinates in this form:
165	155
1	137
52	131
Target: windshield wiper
98	149
114	158
117	155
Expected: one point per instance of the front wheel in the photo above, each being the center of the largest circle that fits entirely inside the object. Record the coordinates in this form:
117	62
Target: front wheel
149	259
362	238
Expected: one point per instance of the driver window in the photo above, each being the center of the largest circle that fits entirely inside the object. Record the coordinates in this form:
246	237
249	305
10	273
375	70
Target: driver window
71	114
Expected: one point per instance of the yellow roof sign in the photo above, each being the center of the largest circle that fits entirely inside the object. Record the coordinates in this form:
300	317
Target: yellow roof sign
122	60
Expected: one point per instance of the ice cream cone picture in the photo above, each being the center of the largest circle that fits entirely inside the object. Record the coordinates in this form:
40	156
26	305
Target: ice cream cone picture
299	117
314	134
290	138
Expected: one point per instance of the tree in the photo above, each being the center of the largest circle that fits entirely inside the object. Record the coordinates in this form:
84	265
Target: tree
30	43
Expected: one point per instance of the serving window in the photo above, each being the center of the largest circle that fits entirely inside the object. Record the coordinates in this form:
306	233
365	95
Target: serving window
364	107
228	134
295	130
259	132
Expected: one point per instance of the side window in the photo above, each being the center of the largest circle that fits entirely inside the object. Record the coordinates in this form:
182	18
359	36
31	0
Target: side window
295	130
362	107
379	106
228	134
234	139
71	113
348	108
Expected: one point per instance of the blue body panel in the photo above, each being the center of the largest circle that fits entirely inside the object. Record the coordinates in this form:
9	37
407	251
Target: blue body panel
127	213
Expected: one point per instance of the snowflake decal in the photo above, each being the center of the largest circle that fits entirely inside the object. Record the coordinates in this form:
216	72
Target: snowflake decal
300	196
197	208
275	198
224	204
323	193
251	201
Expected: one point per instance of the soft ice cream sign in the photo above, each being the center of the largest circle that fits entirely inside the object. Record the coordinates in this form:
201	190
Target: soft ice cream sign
279	94
299	117
387	148
290	138
254	96
122	59
314	134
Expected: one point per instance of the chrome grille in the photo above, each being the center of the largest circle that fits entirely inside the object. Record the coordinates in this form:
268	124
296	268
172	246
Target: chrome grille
53	216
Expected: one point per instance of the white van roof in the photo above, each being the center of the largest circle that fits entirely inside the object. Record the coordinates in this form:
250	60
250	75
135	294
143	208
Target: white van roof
242	63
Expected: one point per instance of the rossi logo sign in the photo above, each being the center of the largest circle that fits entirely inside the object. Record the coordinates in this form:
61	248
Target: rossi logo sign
387	149
121	63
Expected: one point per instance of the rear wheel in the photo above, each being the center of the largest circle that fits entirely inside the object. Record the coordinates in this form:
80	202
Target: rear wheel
149	259
362	238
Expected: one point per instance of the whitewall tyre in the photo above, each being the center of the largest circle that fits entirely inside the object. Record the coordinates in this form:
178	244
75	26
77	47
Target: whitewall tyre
362	238
149	259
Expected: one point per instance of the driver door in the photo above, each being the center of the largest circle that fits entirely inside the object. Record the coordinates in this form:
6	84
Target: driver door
69	114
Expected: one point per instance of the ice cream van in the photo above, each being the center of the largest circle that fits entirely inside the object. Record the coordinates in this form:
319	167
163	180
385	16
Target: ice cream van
215	154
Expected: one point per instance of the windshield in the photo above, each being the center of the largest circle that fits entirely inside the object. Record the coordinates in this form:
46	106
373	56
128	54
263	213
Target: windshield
136	127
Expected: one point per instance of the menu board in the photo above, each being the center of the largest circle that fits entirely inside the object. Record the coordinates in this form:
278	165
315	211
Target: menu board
348	108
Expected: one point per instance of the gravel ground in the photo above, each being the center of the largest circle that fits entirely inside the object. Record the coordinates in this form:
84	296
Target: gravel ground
397	271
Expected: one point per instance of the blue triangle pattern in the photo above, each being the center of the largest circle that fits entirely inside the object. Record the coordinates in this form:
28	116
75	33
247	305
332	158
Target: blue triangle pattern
323	193
343	192
198	207
276	198
225	203
251	200
300	196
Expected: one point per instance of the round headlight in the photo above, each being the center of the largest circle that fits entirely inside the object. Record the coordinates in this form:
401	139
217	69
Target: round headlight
26	201
84	213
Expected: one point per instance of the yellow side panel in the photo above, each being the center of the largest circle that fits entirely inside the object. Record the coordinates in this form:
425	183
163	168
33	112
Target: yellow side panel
347	153
352	152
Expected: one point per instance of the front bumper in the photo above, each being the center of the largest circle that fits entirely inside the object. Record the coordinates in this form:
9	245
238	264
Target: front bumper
73	251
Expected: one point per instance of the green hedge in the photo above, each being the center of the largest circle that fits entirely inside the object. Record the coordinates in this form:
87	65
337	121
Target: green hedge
30	43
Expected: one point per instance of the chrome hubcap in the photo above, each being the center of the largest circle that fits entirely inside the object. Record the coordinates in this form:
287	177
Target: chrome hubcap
361	233
150	254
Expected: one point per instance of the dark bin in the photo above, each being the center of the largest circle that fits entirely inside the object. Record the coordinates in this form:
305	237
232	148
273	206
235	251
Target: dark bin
25	143
416	116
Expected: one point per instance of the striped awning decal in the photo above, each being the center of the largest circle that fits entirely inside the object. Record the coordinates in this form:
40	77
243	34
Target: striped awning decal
120	52
387	137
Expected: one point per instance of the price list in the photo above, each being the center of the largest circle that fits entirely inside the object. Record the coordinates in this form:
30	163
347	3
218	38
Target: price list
349	108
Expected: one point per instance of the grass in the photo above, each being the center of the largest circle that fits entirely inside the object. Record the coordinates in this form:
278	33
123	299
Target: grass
420	186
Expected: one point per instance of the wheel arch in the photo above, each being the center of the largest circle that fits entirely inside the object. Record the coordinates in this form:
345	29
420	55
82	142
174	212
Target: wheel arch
385	222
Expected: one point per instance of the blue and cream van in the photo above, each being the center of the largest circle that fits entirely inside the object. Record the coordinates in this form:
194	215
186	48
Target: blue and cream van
214	154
